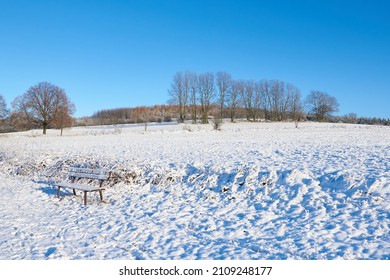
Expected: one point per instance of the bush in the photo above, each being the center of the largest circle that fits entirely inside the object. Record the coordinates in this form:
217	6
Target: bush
216	123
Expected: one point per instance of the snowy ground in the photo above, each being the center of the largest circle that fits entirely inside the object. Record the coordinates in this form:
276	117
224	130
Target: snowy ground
250	191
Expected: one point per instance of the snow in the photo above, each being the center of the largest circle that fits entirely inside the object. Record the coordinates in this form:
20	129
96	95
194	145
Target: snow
250	191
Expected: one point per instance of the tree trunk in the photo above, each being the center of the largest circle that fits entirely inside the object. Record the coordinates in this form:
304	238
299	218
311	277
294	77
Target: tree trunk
194	114
232	116
205	118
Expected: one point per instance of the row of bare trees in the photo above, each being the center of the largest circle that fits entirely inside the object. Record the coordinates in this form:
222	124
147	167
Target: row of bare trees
265	99
43	105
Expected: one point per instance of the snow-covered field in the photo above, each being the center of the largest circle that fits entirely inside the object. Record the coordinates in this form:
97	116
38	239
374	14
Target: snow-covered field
250	191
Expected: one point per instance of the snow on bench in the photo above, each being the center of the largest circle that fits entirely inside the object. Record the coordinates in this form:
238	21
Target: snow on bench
78	173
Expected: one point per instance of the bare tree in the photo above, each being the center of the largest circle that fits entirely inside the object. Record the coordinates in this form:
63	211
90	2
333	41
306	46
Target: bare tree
193	87
41	103
63	117
223	81
285	100
248	99
145	117
296	106
233	101
259	105
186	92
321	104
3	108
276	98
265	96
4	114
206	94
179	94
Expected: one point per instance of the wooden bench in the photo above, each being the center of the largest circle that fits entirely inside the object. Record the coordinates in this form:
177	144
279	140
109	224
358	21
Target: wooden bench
76	174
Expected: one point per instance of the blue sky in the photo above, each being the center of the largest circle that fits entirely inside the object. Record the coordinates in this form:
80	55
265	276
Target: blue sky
111	54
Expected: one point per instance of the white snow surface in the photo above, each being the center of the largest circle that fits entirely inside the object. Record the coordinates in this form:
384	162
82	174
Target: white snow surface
250	191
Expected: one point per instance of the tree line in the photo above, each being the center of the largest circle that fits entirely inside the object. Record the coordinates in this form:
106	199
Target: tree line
139	114
168	113
193	97
272	100
196	97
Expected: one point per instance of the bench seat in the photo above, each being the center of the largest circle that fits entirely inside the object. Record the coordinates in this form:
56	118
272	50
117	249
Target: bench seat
79	187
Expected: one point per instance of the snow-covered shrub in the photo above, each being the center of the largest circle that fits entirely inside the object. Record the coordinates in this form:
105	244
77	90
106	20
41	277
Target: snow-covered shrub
216	123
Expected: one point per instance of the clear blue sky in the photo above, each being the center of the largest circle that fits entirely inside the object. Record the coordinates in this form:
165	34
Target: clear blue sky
110	54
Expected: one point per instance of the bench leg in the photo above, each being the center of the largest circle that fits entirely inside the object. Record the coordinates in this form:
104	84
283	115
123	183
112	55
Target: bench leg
74	191
101	195
85	198
58	192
